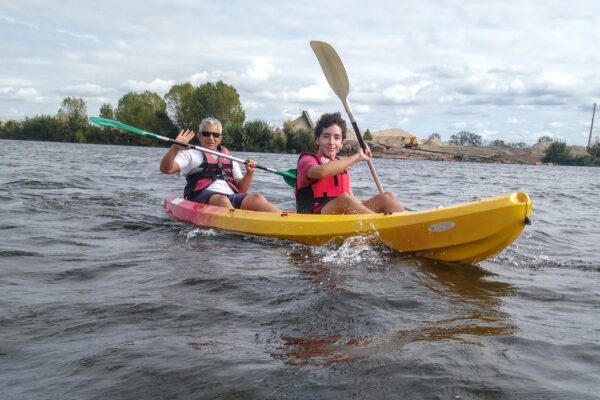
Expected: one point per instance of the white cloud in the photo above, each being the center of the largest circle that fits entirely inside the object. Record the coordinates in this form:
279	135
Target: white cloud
86	37
109	56
406	93
15	82
85	90
28	95
363	109
160	86
252	105
560	79
313	94
260	71
509	64
199	78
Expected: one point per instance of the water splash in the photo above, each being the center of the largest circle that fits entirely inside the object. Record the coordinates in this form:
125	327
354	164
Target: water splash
199	232
354	250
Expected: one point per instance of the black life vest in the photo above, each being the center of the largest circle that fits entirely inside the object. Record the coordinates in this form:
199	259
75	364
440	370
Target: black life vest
211	169
315	195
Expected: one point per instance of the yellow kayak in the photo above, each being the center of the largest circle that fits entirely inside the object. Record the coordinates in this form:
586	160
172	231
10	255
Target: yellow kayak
464	233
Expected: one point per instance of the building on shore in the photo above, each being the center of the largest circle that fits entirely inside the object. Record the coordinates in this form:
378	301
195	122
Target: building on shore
389	137
303	121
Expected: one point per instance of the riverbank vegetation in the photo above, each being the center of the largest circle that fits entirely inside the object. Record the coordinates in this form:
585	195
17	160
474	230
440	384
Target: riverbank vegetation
185	105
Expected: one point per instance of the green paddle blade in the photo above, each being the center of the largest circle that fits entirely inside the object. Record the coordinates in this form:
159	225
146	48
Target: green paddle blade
119	125
289	176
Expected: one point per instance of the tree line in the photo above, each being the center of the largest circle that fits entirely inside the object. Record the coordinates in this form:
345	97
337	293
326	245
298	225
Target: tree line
557	152
183	107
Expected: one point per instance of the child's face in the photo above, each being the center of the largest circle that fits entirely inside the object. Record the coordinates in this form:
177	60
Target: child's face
330	141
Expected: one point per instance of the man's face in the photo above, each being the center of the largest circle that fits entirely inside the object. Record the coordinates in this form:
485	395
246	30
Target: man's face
210	142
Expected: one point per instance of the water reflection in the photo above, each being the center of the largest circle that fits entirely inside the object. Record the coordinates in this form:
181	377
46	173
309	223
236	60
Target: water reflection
423	300
472	298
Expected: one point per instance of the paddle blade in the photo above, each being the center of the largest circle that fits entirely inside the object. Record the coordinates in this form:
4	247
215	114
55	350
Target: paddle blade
332	67
289	176
119	125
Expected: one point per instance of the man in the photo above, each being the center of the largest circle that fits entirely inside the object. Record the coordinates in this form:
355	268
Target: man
210	179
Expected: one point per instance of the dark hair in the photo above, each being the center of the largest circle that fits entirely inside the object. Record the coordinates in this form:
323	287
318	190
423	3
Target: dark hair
328	120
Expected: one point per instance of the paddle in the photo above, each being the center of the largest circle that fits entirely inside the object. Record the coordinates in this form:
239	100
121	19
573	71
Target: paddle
289	176
338	81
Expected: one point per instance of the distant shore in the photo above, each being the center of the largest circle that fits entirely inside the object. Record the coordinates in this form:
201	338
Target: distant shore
493	154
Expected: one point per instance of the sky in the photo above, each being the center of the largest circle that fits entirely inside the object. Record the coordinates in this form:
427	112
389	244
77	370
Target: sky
509	70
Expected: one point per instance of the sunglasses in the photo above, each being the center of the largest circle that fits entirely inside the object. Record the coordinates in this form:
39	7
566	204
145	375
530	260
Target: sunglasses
216	135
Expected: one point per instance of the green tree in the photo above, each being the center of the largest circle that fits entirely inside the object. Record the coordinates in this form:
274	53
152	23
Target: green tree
298	141
464	138
435	136
218	100
594	149
143	110
11	130
497	143
278	141
558	153
368	135
259	135
72	115
45	127
235	138
179	106
107	111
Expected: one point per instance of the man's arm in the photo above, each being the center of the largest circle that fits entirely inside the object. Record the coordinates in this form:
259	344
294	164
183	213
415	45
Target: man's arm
244	183
168	164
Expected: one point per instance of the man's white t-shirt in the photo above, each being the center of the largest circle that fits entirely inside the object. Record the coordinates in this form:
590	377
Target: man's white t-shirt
191	158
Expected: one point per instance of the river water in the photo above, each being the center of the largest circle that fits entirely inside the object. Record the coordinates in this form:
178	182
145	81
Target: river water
102	296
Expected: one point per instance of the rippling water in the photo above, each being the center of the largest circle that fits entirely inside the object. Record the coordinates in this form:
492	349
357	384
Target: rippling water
103	296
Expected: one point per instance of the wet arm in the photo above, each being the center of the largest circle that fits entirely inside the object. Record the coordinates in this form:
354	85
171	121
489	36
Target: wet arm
168	164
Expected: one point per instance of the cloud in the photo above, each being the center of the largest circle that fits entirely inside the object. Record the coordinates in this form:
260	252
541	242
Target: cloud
507	64
15	82
160	86
363	109
402	93
85	90
199	78
513	121
260	71
83	37
252	105
313	94
28	95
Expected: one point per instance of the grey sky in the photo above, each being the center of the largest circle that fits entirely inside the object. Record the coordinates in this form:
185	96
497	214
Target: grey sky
513	70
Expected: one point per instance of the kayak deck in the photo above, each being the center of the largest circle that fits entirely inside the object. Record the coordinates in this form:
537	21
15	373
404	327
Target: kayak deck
464	233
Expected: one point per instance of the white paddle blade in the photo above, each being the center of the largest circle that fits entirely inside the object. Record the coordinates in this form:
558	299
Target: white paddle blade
333	69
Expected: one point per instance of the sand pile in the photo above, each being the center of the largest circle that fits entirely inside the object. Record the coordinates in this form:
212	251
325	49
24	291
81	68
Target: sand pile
434	142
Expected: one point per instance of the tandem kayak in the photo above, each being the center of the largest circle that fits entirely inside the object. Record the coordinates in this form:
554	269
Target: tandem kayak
464	233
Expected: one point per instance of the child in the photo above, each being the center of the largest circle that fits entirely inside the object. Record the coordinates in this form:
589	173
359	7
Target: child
323	180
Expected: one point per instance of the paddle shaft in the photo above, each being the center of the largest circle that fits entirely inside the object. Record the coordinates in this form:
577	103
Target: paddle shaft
362	143
214	153
141	132
336	76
